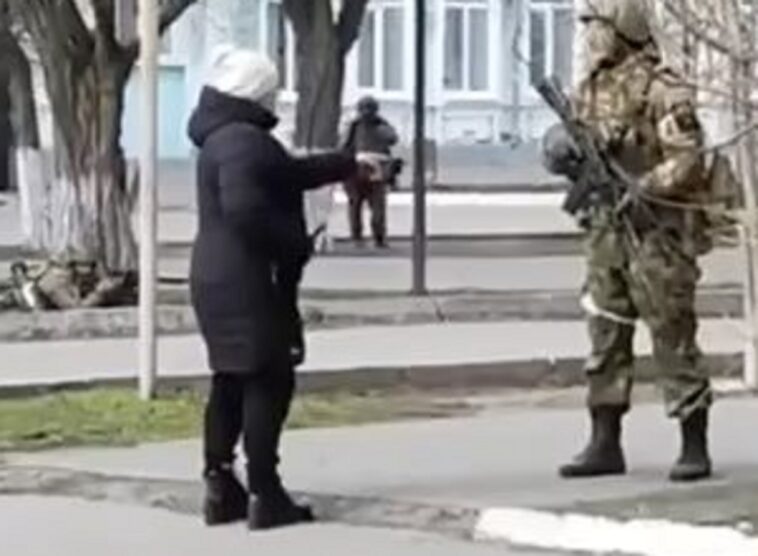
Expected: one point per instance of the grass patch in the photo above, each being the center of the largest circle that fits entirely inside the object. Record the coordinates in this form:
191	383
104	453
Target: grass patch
116	417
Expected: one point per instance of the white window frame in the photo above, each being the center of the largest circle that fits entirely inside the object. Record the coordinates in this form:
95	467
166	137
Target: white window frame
548	9
492	11
287	91
377	8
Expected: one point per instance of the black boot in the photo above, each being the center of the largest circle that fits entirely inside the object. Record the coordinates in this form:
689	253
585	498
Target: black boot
226	500
603	455
694	463
275	508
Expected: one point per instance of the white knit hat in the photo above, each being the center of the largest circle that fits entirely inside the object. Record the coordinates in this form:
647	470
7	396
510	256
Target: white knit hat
242	73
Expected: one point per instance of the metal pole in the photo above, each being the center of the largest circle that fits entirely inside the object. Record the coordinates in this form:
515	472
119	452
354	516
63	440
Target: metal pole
419	185
148	352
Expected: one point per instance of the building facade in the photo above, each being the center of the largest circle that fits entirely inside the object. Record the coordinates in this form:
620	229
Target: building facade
482	56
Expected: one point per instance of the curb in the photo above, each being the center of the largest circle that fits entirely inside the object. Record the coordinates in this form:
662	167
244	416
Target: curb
535	373
527	528
600	535
335	313
536	188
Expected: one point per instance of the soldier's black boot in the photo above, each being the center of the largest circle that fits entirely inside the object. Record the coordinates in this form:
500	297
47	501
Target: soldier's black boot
273	507
226	500
694	463
603	455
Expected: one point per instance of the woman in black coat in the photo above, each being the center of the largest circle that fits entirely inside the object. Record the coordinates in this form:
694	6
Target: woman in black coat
250	247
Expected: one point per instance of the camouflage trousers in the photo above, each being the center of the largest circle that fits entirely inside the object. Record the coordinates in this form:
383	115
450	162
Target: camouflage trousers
654	280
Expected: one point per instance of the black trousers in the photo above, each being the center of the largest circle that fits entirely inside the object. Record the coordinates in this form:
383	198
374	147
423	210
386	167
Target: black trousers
253	406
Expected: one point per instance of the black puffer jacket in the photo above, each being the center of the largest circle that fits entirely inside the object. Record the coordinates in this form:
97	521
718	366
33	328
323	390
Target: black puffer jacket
251	225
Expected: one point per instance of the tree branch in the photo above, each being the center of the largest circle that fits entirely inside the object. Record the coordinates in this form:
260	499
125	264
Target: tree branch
685	16
79	35
171	10
56	23
105	22
349	23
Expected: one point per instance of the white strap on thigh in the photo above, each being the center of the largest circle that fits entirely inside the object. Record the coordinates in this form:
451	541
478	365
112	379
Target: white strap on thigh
592	308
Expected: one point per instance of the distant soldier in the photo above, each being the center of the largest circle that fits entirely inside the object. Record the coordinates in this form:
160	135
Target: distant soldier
58	285
645	116
371	139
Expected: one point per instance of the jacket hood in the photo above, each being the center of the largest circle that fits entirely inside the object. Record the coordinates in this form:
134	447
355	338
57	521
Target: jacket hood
216	110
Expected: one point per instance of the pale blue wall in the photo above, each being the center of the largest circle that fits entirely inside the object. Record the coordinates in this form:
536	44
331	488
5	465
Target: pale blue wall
173	142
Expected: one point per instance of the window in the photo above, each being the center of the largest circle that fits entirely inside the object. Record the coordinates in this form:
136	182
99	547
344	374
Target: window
466	37
551	29
279	42
381	50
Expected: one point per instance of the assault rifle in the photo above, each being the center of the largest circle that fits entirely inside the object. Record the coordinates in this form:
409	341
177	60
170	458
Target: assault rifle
599	180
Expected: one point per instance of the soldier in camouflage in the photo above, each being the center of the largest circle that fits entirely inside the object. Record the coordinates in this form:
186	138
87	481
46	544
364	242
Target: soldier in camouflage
645	117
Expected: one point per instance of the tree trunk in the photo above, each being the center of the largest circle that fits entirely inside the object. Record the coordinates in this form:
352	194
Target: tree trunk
86	210
750	180
28	174
743	116
89	207
321	71
6	132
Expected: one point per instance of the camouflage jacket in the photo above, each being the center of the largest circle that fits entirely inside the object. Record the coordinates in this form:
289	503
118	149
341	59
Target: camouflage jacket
646	115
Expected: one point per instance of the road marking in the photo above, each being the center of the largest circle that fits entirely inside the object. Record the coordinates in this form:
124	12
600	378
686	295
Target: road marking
583	533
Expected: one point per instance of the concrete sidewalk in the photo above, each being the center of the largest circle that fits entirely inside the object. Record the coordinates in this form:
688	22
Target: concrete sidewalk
460	214
511	353
330	310
501	461
524	273
505	456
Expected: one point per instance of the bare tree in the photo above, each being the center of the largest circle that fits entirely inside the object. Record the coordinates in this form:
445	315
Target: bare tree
325	31
713	43
28	175
85	68
20	89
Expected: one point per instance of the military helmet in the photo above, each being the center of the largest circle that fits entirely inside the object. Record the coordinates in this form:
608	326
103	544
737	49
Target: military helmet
630	18
368	105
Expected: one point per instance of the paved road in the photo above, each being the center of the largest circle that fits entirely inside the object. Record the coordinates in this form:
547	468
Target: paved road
506	456
503	457
77	528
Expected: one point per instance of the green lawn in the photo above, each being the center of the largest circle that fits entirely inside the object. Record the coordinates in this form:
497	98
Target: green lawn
113	417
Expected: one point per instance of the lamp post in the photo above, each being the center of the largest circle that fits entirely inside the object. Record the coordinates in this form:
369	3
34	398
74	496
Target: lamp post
148	342
419	178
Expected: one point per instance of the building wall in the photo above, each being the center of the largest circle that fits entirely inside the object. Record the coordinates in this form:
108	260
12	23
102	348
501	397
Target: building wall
172	138
507	109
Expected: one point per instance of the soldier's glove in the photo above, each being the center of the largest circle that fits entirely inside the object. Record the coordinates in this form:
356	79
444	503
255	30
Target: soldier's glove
560	154
611	134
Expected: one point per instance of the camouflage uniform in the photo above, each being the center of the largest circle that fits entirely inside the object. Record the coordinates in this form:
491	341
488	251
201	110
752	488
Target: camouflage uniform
642	264
646	116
